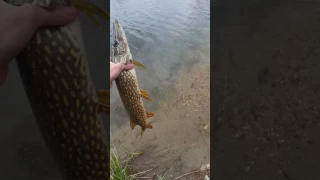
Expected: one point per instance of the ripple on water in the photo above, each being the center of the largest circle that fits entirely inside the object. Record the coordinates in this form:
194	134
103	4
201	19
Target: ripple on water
160	35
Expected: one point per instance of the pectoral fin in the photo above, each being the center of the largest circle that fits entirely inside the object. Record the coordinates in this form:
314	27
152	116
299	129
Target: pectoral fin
145	95
90	15
89	8
138	65
104	101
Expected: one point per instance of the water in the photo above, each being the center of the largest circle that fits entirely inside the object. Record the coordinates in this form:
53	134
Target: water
172	39
160	34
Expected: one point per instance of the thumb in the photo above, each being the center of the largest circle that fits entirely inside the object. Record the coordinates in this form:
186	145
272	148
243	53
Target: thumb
58	17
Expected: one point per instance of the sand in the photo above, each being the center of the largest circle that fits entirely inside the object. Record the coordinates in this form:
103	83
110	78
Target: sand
180	139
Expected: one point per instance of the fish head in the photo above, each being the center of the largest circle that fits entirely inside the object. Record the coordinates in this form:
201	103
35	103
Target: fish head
120	48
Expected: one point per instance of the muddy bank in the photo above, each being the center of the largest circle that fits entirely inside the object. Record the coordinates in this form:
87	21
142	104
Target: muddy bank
180	139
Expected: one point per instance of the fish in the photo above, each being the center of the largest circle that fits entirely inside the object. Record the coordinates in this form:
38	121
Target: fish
127	82
55	76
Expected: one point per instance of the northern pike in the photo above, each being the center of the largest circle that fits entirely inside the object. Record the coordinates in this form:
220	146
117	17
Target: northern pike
127	82
54	72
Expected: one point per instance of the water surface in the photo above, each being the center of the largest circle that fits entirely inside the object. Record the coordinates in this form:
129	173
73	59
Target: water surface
172	39
161	35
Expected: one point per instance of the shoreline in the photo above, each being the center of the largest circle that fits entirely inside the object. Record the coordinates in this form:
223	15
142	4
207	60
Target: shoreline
180	138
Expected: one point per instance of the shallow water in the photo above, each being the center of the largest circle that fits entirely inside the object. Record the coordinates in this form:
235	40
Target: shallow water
161	34
172	39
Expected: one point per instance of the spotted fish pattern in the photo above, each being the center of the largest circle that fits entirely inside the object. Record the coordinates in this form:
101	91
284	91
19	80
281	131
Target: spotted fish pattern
131	99
53	68
127	83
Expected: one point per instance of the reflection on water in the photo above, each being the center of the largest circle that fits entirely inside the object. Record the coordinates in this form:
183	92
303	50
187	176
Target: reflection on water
172	39
160	35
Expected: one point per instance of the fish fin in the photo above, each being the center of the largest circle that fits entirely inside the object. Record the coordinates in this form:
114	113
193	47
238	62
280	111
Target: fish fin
150	114
90	15
104	101
132	124
90	9
149	126
137	64
145	95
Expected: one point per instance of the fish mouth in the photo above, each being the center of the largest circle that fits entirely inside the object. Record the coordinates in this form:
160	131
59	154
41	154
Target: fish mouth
118	33
120	48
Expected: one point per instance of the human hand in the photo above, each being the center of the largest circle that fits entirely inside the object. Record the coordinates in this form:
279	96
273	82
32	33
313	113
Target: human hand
116	69
18	25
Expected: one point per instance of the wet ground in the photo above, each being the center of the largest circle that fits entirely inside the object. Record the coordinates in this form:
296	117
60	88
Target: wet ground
265	90
172	39
180	139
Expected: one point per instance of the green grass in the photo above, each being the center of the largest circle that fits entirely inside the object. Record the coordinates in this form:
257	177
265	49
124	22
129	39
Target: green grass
164	177
121	170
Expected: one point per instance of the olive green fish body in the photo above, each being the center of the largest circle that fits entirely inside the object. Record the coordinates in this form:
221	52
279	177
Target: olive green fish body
131	98
53	68
127	83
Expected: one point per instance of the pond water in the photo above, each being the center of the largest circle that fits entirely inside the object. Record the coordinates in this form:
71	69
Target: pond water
172	39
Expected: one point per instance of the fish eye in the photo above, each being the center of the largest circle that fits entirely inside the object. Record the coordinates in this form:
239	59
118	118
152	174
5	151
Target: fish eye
116	43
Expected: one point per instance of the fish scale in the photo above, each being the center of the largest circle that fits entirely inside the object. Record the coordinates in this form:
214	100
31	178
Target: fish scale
127	82
54	72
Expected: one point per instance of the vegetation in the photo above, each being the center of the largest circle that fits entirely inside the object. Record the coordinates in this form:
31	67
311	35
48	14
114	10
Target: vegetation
121	170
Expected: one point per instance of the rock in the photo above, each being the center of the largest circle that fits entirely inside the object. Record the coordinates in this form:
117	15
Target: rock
206	177
205	167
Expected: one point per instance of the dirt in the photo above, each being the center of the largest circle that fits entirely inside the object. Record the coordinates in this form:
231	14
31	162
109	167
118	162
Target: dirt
265	88
179	142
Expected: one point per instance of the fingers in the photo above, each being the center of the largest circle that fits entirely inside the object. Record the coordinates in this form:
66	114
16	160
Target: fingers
127	67
121	67
59	17
42	17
